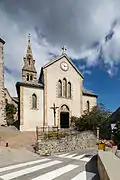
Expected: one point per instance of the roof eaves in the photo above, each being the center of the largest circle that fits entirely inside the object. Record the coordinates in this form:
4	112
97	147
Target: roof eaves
52	61
89	93
37	85
41	72
15	99
59	57
2	41
7	91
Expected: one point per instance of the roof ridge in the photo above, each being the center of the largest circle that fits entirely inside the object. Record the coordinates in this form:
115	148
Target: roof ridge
59	57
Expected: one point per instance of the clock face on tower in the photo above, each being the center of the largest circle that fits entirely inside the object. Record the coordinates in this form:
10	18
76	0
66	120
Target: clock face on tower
64	66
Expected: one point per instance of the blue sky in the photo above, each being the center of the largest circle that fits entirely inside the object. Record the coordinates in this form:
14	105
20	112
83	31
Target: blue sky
89	29
99	82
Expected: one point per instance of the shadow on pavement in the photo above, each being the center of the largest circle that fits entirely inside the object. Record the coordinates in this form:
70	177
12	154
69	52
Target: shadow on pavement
91	169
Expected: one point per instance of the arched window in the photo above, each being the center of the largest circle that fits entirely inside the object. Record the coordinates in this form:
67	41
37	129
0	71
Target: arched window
27	77
31	77
69	90
34	101
64	87
59	88
88	106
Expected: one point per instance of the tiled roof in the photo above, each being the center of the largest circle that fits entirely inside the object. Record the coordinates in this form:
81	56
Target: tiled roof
89	93
30	84
15	99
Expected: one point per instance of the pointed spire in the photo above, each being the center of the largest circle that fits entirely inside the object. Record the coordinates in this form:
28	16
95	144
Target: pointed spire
29	71
29	50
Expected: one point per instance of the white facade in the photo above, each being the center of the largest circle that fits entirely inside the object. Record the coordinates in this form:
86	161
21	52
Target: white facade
53	74
92	102
60	84
30	117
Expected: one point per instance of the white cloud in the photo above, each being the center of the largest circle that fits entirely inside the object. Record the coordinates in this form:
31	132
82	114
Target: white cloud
15	50
84	70
76	24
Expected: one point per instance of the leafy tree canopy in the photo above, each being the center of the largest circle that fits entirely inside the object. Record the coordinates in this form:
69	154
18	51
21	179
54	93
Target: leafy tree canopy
10	111
98	117
116	132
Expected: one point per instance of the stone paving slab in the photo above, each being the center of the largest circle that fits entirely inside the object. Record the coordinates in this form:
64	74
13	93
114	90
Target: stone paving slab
10	156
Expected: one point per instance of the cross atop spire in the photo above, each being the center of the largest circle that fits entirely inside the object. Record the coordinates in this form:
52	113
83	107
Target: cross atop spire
29	50
64	50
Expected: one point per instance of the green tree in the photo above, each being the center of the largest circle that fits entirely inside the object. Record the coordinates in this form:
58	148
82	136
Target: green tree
10	111
98	117
116	133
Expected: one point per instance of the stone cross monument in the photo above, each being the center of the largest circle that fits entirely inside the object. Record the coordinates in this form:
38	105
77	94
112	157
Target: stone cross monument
2	97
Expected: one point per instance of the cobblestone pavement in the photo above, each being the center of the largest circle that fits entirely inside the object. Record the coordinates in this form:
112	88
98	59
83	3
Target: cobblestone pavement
77	165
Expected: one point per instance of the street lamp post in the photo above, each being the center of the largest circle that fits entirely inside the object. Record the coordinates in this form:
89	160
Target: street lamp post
112	128
54	112
97	133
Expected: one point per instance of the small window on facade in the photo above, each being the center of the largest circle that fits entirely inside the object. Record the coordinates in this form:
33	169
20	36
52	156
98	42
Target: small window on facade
88	106
6	101
31	77
34	101
69	90
59	88
27	77
64	87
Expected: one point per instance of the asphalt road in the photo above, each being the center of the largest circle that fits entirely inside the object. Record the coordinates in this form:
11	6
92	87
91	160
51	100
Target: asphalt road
77	165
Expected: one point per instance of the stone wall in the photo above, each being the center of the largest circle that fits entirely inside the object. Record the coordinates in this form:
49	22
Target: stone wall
2	97
68	143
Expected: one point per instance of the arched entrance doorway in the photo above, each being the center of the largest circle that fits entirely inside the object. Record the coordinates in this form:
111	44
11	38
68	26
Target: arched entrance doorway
64	117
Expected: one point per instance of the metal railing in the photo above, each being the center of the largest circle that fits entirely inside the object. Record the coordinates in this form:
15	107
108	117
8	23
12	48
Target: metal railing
47	131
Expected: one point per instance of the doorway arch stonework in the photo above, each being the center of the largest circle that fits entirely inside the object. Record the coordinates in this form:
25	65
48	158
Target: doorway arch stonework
64	117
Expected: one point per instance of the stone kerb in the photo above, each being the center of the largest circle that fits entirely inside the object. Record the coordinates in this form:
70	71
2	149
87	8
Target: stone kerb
108	165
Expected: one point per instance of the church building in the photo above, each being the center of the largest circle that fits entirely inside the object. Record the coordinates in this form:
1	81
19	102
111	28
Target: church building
55	97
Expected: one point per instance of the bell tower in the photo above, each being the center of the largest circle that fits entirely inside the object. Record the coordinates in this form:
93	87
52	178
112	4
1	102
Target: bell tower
29	73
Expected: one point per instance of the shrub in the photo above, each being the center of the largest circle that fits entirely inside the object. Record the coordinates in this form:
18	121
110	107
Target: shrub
98	117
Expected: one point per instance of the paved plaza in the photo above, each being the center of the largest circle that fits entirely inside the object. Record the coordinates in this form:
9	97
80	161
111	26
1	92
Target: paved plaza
77	165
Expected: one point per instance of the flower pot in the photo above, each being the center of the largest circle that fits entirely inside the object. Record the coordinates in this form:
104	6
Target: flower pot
101	146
